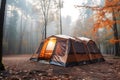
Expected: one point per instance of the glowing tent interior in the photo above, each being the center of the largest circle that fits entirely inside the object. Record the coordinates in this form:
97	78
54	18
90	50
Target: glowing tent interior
66	51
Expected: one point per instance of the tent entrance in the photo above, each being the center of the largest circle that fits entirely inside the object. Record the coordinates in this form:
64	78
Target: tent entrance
48	49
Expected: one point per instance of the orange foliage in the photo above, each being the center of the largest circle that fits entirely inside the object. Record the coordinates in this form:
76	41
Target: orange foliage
113	41
108	23
101	20
103	24
111	2
111	9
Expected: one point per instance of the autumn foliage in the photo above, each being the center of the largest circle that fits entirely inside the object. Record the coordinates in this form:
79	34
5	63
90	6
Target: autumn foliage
113	40
106	17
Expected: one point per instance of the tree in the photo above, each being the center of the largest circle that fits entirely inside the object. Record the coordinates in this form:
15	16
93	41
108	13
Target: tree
44	8
12	32
2	11
60	6
45	5
112	7
21	33
16	24
105	17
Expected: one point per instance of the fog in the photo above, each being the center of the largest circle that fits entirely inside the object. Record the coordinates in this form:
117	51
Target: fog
25	22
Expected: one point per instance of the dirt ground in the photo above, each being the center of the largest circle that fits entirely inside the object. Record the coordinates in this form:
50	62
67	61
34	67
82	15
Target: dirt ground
18	67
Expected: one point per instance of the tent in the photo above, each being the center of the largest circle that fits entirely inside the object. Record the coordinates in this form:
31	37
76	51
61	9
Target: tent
66	51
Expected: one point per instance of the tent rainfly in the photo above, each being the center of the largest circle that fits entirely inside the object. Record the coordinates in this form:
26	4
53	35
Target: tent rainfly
66	51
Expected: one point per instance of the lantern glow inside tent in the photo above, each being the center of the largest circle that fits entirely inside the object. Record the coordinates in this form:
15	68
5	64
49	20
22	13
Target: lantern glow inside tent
65	51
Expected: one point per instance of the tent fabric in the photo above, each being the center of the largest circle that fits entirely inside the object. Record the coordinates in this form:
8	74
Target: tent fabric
66	51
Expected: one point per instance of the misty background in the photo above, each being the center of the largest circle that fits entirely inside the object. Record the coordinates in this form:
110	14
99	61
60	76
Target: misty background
25	21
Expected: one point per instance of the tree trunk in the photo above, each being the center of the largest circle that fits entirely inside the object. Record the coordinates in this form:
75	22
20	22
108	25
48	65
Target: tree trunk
45	28
60	17
117	53
21	36
2	12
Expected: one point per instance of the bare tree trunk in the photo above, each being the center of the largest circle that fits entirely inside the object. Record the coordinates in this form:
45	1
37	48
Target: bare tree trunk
45	28
21	36
2	12
117	53
45	4
60	17
22	30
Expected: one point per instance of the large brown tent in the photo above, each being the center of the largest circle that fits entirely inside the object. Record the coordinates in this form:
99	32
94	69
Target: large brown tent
65	51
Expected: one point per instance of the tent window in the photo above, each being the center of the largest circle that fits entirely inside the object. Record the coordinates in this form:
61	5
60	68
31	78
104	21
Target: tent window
93	48
49	48
51	45
60	48
79	48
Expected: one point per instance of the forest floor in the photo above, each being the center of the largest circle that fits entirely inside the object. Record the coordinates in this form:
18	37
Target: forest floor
18	67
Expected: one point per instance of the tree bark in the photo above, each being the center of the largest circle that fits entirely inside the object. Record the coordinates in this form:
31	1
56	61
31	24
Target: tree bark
2	12
60	17
117	52
45	9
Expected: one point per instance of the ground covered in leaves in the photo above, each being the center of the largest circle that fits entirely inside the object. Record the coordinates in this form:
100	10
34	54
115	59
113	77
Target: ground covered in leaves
18	67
